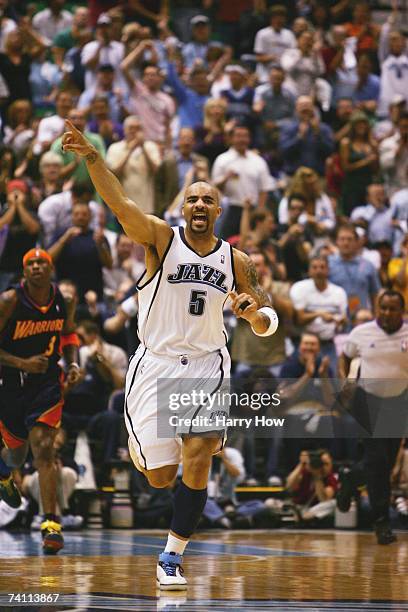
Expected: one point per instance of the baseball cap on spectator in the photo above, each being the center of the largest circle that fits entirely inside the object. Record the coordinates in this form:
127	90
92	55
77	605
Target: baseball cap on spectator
104	19
17	185
199	19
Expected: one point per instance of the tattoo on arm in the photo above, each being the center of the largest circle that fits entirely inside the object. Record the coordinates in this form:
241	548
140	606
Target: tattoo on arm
91	157
254	286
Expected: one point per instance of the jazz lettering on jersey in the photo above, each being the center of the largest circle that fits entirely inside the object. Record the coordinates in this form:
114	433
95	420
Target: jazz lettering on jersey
199	273
24	329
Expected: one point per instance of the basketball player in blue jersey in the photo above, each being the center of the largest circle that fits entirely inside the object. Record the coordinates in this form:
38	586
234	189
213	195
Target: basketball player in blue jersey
36	325
189	275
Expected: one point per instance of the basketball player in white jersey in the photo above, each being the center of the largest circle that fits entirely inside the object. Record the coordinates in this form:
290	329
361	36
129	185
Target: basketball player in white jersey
189	275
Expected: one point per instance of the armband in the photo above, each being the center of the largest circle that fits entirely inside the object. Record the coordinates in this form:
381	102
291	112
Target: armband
273	318
69	339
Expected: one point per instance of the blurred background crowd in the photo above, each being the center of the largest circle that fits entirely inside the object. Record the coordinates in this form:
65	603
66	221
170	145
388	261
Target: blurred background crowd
296	112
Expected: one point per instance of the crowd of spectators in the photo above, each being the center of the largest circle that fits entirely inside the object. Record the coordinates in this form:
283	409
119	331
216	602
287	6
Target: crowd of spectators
296	112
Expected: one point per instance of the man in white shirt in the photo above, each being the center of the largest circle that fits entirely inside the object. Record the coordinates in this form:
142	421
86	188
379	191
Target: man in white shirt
303	66
240	175
394	73
380	399
135	162
154	107
55	212
103	50
50	128
272	41
321	306
375	216
50	21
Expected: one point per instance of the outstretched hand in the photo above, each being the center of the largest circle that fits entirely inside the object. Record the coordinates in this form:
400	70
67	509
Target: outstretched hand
73	140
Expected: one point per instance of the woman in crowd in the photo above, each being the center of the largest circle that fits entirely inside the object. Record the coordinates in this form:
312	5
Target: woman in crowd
18	133
7	168
21	47
319	214
211	136
359	162
303	65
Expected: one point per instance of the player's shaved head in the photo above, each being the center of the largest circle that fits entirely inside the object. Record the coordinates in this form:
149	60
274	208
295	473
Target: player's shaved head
197	189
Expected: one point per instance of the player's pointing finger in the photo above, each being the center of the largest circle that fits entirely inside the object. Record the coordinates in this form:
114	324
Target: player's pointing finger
70	126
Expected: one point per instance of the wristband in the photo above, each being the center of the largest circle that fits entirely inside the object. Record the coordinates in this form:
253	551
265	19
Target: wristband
74	364
69	340
129	306
273	321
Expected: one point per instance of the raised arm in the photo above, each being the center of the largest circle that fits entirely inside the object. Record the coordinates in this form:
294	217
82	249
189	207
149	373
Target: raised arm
133	57
147	230
250	301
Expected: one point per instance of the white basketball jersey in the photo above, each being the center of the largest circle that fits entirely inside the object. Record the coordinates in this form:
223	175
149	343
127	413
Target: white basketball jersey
181	306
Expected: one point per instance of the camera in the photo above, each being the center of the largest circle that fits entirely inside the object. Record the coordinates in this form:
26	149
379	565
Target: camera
315	459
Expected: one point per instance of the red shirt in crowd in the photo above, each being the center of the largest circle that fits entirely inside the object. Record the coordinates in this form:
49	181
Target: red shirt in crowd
305	493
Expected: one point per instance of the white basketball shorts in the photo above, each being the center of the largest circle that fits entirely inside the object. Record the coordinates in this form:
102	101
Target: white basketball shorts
168	397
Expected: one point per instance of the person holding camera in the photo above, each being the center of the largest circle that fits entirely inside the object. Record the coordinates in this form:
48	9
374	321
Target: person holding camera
313	485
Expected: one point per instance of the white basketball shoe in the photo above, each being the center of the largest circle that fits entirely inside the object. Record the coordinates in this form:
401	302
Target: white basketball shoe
170	572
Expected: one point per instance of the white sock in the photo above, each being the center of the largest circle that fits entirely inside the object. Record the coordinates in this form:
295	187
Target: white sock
175	545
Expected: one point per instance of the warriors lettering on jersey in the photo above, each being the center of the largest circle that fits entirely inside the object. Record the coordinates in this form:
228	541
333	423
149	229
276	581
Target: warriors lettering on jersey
24	329
199	273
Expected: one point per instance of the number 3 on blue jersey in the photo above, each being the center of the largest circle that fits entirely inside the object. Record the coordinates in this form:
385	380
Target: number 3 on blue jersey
197	302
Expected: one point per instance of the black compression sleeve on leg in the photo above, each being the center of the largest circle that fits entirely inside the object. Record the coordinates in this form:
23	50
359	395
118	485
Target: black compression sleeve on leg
188	505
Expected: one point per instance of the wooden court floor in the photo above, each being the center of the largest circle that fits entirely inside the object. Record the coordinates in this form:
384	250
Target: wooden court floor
246	570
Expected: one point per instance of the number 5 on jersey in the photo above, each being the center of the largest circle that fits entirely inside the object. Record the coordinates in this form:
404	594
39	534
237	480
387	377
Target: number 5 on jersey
197	302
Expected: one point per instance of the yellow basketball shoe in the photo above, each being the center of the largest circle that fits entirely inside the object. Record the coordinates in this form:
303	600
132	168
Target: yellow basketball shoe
52	537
